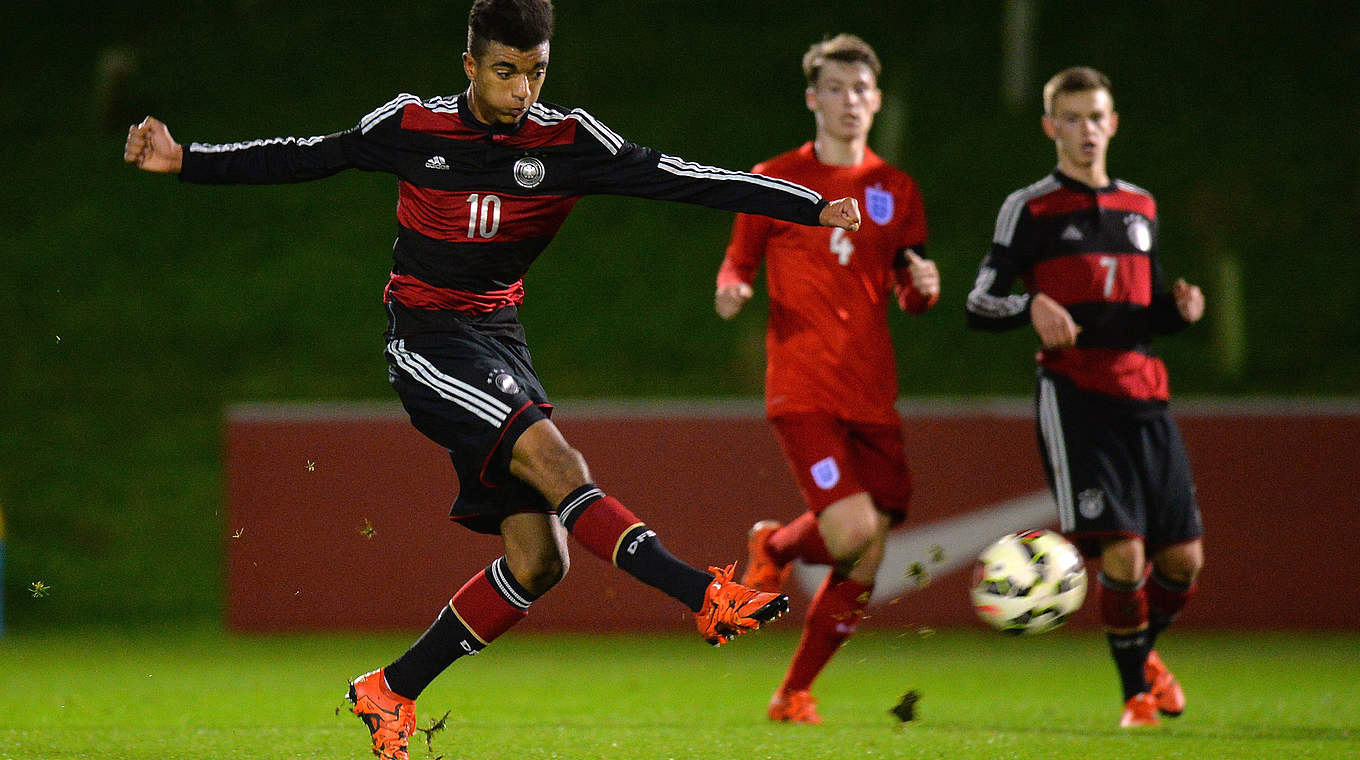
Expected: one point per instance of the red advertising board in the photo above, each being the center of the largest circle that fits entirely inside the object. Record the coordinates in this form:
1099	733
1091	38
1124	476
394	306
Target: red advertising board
337	514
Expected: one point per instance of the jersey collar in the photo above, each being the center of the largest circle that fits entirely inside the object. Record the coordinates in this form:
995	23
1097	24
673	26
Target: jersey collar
471	120
1081	187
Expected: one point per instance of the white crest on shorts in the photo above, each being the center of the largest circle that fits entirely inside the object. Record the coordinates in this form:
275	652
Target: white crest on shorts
529	172
1139	233
826	474
1091	503
504	382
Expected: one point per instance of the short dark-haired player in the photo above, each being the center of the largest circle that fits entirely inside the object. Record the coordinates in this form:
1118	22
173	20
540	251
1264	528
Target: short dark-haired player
485	180
831	378
1085	246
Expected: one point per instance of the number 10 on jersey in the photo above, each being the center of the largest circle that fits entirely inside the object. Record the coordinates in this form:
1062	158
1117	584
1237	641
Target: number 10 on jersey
484	215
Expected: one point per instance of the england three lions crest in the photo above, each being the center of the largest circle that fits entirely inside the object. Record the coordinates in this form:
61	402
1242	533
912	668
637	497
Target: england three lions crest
878	203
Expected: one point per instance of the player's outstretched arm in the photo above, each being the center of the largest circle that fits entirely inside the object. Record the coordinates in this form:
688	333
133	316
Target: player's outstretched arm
150	146
843	213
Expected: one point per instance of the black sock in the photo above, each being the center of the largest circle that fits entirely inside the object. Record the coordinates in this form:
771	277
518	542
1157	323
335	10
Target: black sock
1156	624
642	556
1130	652
449	637
609	531
433	652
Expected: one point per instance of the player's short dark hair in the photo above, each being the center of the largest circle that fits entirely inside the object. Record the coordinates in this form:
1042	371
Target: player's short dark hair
521	24
845	48
1074	79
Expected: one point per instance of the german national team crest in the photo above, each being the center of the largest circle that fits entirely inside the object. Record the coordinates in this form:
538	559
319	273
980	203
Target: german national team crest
879	204
504	382
1139	233
1091	503
826	474
529	172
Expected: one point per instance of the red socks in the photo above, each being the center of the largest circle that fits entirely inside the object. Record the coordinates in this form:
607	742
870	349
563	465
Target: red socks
1165	600
598	522
834	616
1123	606
611	532
489	604
800	539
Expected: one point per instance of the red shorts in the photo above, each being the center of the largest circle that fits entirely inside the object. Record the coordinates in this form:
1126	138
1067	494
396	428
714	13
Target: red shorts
832	459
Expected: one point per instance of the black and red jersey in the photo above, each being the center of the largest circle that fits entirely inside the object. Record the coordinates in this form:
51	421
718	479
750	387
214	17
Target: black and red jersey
477	204
1093	250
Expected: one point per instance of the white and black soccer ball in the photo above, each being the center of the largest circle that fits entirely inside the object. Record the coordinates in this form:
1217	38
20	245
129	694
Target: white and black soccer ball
1028	582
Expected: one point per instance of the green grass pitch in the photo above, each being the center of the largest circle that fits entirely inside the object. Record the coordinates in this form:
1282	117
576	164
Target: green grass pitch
206	694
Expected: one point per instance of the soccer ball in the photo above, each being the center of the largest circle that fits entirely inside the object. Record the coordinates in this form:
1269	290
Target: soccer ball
1028	582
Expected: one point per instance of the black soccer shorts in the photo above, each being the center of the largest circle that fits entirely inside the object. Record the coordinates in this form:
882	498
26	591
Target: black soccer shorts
1114	469
474	395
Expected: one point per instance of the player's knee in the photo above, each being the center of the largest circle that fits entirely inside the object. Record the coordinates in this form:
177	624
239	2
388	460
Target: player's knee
540	573
1122	560
1186	572
865	567
850	527
854	543
1180	565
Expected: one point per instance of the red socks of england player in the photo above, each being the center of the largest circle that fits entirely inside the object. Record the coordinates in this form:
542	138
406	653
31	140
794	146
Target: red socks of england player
834	616
800	539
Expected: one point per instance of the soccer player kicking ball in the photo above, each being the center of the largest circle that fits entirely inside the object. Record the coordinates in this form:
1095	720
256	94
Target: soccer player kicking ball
831	379
1086	247
485	180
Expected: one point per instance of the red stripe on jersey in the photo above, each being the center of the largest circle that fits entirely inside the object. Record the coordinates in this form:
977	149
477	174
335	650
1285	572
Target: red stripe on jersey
417	118
416	294
463	217
1096	277
1125	200
1059	202
1124	374
530	134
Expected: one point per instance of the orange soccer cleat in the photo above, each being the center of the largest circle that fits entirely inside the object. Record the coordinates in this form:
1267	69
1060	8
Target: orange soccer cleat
1163	686
1140	710
794	707
763	573
731	609
390	717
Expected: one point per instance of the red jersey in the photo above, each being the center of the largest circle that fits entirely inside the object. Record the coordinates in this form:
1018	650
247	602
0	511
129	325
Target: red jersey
828	347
